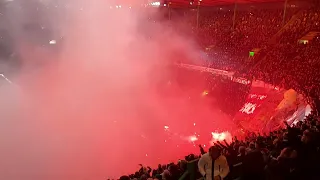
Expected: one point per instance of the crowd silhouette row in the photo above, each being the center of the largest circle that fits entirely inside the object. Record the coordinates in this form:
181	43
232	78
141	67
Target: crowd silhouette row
289	153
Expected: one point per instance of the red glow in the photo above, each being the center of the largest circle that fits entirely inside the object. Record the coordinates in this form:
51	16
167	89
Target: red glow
259	108
253	102
95	111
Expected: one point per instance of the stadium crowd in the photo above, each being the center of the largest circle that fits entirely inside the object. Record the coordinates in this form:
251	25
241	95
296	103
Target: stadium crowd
288	153
291	63
288	57
286	54
253	27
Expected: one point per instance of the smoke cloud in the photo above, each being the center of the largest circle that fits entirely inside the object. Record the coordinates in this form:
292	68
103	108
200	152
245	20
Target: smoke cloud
92	110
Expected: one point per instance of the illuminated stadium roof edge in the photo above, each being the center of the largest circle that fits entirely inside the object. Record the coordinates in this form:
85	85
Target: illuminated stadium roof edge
188	3
191	3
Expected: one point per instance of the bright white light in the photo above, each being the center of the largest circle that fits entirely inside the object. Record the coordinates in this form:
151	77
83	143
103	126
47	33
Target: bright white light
155	4
53	42
221	137
218	136
193	138
205	93
255	96
262	97
2	75
308	110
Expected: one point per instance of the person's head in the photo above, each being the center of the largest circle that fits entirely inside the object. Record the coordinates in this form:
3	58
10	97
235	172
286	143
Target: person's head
306	136
183	165
281	135
214	152
242	150
124	178
144	169
304	127
276	142
159	166
236	146
144	177
251	145
159	177
294	154
284	135
288	153
166	174
155	172
259	145
299	124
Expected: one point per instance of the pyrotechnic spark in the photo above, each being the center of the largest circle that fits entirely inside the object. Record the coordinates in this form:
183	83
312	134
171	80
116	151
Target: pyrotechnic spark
53	42
193	138
5	78
205	93
218	136
221	136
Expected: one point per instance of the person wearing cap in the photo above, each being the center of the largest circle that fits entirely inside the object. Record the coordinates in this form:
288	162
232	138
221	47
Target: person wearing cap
213	165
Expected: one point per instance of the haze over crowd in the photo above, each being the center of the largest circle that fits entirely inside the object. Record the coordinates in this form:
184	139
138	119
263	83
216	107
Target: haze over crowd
77	113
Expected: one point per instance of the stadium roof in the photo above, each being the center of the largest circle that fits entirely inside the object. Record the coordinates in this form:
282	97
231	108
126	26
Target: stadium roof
184	3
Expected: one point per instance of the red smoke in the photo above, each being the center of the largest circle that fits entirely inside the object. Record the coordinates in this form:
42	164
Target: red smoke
95	111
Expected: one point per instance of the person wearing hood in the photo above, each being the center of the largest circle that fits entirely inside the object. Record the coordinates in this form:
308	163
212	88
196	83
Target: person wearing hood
213	165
